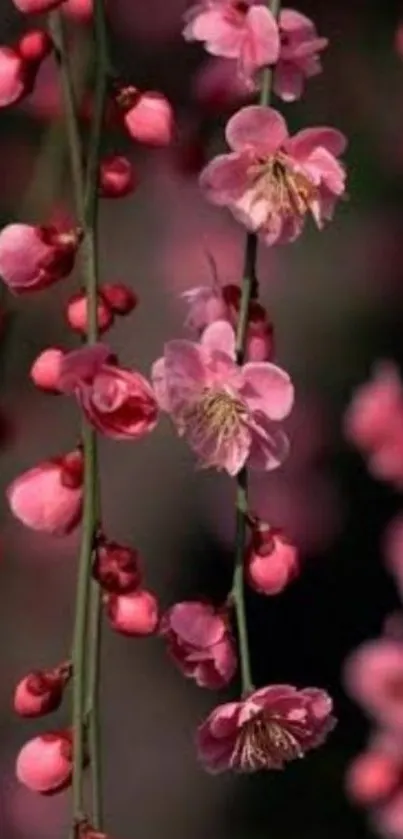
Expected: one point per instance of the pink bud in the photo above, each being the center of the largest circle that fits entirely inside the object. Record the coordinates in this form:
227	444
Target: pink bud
148	116
34	46
44	764
44	499
116	567
32	258
116	177
272	561
372	777
133	614
45	370
33	7
79	10
12	76
41	691
72	469
119	297
76	314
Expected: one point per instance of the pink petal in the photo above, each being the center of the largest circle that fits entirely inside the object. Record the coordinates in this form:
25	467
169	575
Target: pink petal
261	44
293	22
257	129
223	721
305	142
185	372
220	36
268	389
219	336
196	624
225	178
269	448
322	166
159	383
82	365
11	76
288	81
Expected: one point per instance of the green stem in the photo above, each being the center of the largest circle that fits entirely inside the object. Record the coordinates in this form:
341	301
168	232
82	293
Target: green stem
249	291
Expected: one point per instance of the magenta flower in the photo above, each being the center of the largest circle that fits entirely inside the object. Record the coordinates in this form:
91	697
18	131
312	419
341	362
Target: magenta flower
270	181
265	731
374	677
119	403
299	54
200	643
228	414
235	29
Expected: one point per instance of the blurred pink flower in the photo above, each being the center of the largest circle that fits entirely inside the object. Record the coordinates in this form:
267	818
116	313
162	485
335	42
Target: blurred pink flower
45	371
227	413
80	10
49	496
266	730
33	7
374	678
299	54
234	29
200	643
133	614
117	177
217	86
147	116
373	776
44	764
32	258
270	181
12	76
117	402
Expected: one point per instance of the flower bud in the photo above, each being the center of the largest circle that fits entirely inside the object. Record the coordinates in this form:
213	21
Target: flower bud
72	469
32	258
116	177
45	370
34	46
119	297
77	313
272	561
148	116
133	614
116	567
36	7
41	691
44	764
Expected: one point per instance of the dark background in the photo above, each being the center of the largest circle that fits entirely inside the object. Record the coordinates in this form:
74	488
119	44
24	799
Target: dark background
337	302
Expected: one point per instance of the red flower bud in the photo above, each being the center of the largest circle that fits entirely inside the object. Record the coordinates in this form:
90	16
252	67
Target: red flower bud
41	691
272	562
77	313
34	46
116	177
46	369
148	116
133	614
119	298
116	567
45	763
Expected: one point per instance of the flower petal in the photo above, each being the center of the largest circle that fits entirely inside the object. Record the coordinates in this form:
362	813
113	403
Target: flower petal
82	365
219	336
158	379
305	142
268	388
288	81
225	178
185	373
269	448
257	129
261	44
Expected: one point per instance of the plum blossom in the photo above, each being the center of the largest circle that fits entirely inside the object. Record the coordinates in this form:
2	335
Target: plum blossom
200	643
235	29
147	116
116	567
227	413
134	614
41	691
117	402
299	54
272	561
32	258
269	728
374	678
270	181
45	763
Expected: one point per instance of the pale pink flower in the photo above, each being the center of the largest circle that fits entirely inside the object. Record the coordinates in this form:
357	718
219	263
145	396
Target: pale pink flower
147	116
32	258
270	181
41	691
117	177
133	614
45	371
117	402
374	678
227	413
44	764
33	7
49	497
200	643
235	29
272	561
266	730
299	54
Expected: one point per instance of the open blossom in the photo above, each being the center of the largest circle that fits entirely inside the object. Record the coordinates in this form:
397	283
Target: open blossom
228	414
45	763
271	181
299	54
266	730
119	403
234	29
32	258
49	497
374	677
200	643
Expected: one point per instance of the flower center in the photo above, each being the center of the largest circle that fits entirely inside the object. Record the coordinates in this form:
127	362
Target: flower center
263	743
212	421
288	192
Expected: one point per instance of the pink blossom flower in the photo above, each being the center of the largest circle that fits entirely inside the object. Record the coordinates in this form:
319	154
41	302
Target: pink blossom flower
76	313
41	691
270	181
116	177
48	497
272	561
373	777
116	567
34	7
44	764
119	403
228	414
200	643
234	29
266	730
299	54
133	614
45	371
32	258
147	116
374	678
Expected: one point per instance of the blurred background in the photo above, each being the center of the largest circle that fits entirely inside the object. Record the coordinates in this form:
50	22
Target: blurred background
336	299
